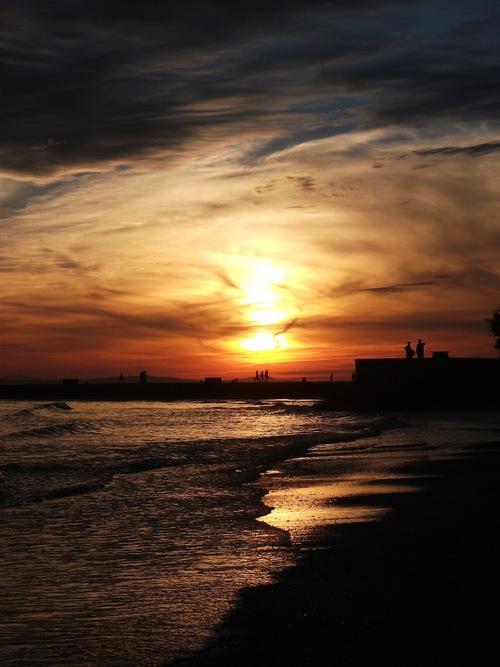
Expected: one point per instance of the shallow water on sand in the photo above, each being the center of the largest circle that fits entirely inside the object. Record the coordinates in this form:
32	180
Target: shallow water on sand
127	529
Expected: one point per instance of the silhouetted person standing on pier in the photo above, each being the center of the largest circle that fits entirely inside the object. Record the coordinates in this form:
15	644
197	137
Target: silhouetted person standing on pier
420	349
410	352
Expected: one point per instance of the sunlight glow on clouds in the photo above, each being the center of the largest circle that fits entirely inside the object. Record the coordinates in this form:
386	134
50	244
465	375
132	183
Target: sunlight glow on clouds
264	342
284	189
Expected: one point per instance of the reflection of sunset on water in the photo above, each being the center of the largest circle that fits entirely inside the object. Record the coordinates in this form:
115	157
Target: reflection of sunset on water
303	509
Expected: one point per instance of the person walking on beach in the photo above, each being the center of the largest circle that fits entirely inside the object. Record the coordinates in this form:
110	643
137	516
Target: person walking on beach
420	349
256	378
410	352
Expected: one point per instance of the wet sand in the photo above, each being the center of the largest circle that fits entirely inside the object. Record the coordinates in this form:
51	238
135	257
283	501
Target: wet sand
419	587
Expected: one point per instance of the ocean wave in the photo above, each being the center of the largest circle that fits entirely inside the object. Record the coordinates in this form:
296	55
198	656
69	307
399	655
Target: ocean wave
68	492
35	481
284	406
36	469
389	423
56	405
56	430
369	447
39	409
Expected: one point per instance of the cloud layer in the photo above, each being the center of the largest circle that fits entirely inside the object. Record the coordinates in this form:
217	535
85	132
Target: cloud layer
173	175
88	85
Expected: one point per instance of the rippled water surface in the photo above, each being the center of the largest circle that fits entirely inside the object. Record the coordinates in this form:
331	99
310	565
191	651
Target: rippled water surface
127	529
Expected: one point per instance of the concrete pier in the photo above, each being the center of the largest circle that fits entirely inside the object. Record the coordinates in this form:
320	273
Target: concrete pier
381	384
176	391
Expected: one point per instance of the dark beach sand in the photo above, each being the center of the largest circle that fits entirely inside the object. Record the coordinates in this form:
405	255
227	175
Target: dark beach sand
419	587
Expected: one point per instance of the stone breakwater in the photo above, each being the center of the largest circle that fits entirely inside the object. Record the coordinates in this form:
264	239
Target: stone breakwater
178	391
439	383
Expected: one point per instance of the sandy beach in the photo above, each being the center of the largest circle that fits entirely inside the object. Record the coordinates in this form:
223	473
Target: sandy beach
247	534
419	587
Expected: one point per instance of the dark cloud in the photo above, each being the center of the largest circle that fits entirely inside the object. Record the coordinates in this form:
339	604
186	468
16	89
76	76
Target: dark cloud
283	330
17	199
97	83
229	282
305	183
62	319
404	287
472	151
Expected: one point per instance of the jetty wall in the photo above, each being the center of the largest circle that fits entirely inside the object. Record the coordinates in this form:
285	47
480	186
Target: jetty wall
440	382
176	391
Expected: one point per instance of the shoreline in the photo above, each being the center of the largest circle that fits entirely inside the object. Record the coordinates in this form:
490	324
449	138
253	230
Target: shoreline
418	587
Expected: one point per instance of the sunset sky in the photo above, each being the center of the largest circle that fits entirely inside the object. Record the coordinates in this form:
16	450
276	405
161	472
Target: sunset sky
224	186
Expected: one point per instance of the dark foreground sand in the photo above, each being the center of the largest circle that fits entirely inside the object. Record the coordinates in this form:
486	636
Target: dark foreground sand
420	587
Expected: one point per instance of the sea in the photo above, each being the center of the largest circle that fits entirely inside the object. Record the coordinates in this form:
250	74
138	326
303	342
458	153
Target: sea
129	529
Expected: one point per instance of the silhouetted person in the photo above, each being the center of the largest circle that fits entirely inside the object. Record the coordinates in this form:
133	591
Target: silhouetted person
256	378
143	377
420	349
331	377
122	379
266	376
410	352
262	376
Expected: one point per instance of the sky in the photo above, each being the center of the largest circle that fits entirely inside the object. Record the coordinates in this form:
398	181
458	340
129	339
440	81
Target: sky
218	187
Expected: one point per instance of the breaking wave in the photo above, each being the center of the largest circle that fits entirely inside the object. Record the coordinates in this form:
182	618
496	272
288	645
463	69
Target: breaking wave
56	430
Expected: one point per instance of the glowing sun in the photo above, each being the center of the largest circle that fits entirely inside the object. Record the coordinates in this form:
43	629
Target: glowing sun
265	306
264	342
